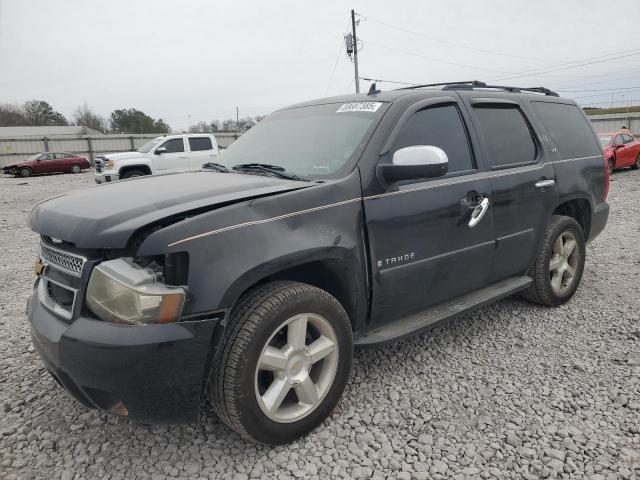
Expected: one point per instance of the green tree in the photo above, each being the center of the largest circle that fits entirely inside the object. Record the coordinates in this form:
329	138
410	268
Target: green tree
160	126
40	113
131	121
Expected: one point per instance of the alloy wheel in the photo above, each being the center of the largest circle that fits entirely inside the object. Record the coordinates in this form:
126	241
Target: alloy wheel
563	263
296	368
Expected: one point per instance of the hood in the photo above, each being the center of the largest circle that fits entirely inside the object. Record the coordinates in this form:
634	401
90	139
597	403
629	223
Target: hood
23	163
124	156
105	216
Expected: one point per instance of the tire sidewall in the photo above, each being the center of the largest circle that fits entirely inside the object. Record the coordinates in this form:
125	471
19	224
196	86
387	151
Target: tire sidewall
253	419
566	224
24	172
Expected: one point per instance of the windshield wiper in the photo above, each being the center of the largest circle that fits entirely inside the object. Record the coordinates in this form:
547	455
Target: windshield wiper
218	167
264	167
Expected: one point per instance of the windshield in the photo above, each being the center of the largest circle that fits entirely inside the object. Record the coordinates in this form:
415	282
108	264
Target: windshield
314	141
34	157
604	140
147	147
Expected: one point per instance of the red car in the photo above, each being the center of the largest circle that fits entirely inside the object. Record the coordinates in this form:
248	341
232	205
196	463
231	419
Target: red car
621	149
51	162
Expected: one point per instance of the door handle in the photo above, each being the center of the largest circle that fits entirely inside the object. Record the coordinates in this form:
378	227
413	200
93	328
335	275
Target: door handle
479	212
545	183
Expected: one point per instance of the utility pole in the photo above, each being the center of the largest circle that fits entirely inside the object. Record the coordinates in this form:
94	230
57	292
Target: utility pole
355	50
237	120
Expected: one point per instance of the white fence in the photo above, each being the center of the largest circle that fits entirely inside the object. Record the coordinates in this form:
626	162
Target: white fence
18	148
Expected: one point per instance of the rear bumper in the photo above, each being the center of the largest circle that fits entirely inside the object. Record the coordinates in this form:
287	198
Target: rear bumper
598	220
149	374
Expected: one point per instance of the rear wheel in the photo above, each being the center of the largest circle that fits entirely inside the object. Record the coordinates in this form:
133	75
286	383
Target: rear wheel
636	165
75	169
132	174
283	363
25	172
558	264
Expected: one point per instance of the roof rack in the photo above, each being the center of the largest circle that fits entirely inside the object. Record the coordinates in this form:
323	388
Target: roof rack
471	84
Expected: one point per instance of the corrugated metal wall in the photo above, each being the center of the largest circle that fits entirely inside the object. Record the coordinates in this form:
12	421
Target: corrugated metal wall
19	148
613	122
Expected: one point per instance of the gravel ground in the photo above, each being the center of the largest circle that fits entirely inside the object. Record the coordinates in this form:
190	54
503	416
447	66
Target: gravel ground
512	391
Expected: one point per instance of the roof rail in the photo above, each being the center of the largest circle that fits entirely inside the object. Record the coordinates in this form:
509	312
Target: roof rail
471	84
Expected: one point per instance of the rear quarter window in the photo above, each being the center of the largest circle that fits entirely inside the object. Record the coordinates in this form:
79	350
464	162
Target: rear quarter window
197	144
571	133
506	135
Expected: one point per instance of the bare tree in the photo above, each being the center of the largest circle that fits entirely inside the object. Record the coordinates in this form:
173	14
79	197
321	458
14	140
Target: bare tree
12	115
85	116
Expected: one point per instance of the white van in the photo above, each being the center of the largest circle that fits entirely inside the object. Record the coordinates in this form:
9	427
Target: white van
169	153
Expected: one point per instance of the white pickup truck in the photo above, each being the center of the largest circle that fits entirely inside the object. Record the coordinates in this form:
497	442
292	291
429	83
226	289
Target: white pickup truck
169	153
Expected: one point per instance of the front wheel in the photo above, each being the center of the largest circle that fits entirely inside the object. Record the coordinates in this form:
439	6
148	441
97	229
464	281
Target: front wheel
75	169
636	165
611	166
283	363
558	263
25	172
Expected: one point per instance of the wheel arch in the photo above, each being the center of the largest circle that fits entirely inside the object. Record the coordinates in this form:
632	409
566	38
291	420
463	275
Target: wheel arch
578	208
333	274
127	168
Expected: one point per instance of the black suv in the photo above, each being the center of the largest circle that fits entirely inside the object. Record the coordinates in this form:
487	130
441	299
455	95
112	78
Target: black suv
334	223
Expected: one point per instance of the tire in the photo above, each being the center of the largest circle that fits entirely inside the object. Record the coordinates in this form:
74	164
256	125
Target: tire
611	166
25	172
75	169
132	174
264	318
636	165
546	289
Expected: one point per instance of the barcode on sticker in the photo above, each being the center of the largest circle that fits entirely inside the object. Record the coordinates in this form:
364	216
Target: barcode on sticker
359	107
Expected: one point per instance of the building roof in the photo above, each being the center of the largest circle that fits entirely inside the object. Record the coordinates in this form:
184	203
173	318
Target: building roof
46	131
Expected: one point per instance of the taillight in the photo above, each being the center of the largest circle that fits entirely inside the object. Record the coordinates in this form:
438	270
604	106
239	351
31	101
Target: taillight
606	179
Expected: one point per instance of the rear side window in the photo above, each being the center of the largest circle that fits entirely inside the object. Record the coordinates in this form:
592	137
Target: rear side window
197	144
570	131
506	135
441	127
174	145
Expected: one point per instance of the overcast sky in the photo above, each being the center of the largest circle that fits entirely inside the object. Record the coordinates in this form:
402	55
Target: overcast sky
175	58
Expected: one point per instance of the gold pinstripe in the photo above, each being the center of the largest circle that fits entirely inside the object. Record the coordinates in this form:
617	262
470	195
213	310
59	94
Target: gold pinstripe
346	202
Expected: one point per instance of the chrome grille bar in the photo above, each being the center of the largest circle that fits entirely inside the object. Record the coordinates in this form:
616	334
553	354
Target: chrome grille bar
62	260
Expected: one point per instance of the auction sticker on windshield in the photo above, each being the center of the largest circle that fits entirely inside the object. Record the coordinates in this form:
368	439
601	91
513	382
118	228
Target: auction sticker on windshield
359	107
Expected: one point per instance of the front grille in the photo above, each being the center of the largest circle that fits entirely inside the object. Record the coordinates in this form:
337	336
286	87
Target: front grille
98	165
63	260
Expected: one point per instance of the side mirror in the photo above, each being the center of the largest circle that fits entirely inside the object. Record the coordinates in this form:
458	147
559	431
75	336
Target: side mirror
418	161
160	150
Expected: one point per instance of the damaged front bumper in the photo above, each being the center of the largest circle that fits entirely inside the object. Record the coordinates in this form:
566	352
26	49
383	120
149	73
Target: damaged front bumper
147	373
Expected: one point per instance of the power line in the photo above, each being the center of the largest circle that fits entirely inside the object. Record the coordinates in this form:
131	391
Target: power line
386	47
601	89
570	65
459	45
378	80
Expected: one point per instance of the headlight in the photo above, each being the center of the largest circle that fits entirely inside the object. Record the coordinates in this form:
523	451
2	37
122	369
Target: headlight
109	163
122	292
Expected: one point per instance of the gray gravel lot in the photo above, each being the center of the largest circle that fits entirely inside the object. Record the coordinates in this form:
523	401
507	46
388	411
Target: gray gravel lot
512	391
